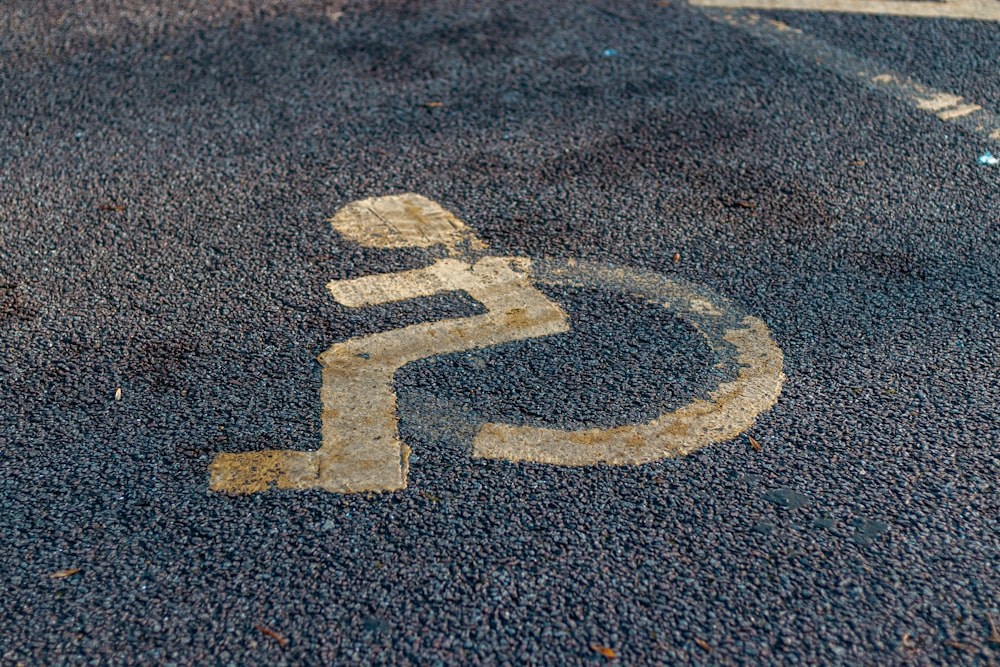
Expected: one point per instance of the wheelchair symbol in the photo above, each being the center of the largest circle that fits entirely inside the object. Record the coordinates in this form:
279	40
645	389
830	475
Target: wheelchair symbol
361	449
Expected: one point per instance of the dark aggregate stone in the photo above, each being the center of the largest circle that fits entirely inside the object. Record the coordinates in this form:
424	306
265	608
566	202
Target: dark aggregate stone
858	228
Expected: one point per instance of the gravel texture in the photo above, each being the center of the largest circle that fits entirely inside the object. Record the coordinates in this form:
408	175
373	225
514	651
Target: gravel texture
165	180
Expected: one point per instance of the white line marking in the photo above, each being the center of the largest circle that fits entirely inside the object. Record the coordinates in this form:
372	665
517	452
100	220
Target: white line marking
946	106
981	10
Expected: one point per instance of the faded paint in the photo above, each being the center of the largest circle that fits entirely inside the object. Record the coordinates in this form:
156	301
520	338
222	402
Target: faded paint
981	10
402	221
730	409
948	107
935	102
361	449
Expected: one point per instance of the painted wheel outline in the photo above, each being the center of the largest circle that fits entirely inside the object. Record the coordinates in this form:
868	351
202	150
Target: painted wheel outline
731	408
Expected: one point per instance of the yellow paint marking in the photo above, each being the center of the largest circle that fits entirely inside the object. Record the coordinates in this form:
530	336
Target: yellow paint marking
781	26
730	409
402	221
936	102
958	112
981	10
361	449
945	106
700	305
391	287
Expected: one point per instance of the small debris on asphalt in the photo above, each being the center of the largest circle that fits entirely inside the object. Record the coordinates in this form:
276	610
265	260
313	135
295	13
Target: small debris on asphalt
962	647
608	53
118	394
272	634
121	207
62	574
431	105
335	10
989	159
754	443
910	645
603	650
704	645
994	637
677	257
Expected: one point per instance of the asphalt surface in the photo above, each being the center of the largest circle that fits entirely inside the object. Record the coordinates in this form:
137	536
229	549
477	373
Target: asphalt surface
166	176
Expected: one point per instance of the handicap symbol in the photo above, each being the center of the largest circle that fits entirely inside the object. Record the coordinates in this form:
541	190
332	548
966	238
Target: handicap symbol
361	449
